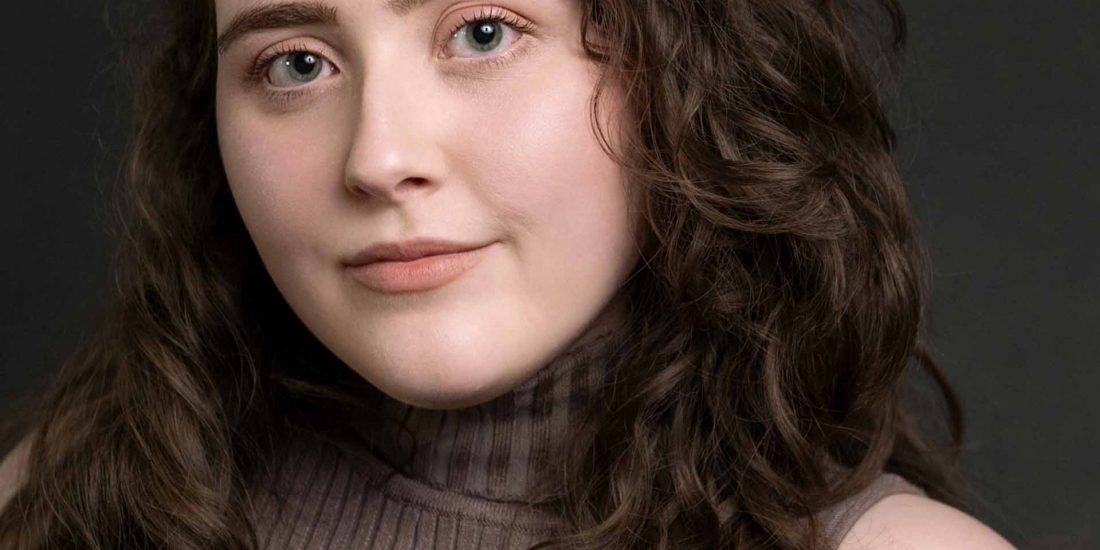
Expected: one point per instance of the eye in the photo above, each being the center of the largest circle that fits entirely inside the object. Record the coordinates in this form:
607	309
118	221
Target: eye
486	31
293	67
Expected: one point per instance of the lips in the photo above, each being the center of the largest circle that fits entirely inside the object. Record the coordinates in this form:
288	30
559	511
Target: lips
409	250
414	266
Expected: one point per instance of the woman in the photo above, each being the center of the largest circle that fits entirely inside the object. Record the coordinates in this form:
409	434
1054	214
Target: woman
448	274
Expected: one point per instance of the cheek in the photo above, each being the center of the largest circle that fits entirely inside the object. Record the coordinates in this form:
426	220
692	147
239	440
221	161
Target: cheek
567	188
277	192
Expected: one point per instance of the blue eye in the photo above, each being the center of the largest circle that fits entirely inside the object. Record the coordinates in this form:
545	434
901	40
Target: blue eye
285	74
484	36
295	67
487	30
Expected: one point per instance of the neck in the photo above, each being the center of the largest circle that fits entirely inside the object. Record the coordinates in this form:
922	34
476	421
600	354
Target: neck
505	449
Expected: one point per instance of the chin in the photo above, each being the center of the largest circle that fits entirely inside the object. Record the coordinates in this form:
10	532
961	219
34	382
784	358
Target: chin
447	398
451	389
447	402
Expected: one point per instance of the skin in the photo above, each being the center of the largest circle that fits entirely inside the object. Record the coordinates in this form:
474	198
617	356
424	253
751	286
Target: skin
913	522
402	134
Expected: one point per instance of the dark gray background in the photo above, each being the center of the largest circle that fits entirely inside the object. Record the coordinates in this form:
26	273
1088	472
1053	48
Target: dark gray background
999	131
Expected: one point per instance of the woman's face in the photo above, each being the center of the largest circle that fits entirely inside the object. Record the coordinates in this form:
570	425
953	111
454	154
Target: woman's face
435	121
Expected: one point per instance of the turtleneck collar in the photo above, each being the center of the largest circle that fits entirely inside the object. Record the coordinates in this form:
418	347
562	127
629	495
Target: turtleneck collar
504	449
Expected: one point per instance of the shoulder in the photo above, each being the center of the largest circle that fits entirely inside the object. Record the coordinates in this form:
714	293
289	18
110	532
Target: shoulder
12	469
909	522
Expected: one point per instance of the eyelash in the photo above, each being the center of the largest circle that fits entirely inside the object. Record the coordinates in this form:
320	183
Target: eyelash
257	74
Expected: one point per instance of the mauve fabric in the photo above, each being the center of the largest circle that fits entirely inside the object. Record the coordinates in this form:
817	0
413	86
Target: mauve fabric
475	480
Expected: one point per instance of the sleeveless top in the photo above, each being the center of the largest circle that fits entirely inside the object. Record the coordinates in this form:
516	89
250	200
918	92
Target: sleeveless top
473	482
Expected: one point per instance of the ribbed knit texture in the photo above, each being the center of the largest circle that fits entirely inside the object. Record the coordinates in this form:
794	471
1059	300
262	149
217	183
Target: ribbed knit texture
473	483
840	518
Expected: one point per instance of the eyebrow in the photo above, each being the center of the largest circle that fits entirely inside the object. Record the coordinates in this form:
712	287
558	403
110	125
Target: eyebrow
293	14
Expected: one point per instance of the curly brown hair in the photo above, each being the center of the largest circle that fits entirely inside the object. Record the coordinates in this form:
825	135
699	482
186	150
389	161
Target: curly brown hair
774	321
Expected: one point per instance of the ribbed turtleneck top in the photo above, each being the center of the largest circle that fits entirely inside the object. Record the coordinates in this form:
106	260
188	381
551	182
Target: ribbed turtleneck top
473	481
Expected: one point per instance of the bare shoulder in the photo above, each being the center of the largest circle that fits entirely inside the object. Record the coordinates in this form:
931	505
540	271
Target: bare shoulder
909	522
12	469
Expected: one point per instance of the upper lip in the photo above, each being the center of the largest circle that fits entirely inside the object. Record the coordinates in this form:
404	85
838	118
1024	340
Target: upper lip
408	250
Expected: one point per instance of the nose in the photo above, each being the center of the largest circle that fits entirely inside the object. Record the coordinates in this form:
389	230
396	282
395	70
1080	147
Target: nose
394	153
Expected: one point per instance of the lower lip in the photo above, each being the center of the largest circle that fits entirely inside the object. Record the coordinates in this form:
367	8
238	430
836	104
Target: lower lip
416	275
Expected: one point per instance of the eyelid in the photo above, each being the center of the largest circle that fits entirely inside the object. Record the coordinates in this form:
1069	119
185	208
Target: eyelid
492	12
257	72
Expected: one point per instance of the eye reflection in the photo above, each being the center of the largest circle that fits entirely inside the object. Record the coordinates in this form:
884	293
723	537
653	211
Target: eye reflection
485	36
302	67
